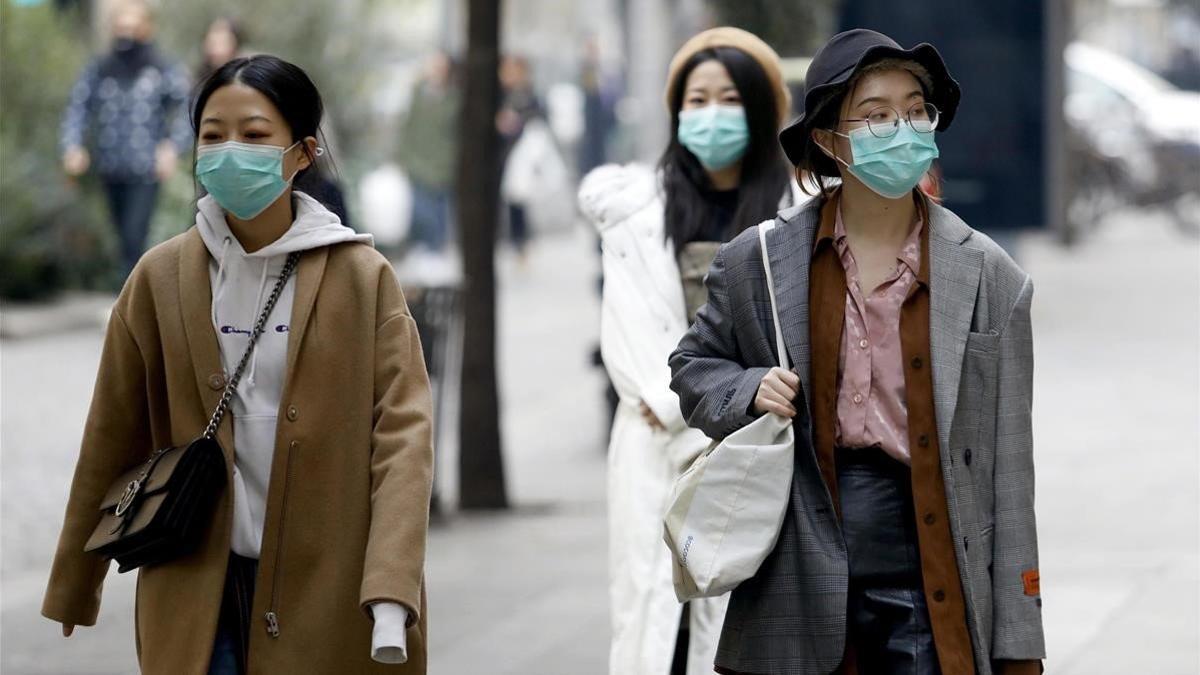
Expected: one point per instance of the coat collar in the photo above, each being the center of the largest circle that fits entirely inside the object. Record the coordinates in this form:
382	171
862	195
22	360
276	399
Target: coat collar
955	272
195	302
309	273
789	247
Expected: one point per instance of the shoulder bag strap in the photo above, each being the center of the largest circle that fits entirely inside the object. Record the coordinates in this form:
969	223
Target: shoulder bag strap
763	228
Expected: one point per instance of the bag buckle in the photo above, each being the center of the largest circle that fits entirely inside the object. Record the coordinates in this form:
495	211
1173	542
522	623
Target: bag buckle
131	493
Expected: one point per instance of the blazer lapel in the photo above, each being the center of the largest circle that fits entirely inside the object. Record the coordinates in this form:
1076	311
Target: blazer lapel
954	283
789	247
195	304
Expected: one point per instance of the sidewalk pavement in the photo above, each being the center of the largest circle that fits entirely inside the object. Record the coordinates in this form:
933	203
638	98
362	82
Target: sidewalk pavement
1116	324
69	312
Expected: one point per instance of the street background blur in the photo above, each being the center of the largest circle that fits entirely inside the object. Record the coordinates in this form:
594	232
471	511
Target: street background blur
1077	146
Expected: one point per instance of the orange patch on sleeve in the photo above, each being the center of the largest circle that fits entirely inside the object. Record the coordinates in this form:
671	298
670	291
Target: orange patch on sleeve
1033	585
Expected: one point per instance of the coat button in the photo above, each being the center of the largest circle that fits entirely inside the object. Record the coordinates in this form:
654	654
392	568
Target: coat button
923	441
930	519
939	595
916	362
216	381
967	456
292	413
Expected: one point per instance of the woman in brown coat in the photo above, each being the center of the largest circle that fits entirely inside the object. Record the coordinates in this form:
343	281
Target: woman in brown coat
313	561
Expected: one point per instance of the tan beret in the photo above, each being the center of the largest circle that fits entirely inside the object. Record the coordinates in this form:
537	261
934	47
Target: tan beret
751	44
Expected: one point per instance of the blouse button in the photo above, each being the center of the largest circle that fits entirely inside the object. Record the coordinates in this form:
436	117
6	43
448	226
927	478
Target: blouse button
292	413
858	398
930	519
923	441
939	595
863	344
916	362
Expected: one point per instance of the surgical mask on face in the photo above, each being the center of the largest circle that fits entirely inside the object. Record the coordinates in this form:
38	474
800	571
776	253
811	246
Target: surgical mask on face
891	166
244	178
716	134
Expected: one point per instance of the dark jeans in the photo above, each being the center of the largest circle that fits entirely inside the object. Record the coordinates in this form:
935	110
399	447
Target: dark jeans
888	620
233	627
430	216
131	206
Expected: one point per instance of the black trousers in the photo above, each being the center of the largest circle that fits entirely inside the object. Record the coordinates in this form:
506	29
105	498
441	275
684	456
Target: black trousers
131	205
888	620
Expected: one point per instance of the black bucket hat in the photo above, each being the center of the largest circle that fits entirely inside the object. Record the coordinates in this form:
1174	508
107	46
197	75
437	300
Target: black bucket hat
838	61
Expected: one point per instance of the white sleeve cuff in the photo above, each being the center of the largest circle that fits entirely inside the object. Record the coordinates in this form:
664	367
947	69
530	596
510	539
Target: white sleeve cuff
389	640
665	405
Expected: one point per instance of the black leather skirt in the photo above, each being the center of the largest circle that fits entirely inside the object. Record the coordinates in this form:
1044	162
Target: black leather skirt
888	620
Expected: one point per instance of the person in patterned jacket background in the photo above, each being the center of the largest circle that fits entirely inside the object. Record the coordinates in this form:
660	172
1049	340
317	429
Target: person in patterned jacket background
126	120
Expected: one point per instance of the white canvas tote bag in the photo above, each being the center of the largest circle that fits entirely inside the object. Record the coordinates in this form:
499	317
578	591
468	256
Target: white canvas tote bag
725	511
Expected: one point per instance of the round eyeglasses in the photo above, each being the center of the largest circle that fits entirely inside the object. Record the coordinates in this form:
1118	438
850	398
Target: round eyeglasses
884	121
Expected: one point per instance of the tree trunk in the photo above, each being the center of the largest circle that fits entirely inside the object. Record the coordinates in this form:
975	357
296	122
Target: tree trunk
481	466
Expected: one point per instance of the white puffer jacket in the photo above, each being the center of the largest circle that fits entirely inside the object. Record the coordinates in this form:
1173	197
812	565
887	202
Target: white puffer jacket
642	320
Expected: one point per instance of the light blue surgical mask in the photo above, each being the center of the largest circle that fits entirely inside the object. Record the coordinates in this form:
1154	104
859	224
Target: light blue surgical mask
891	166
244	178
716	134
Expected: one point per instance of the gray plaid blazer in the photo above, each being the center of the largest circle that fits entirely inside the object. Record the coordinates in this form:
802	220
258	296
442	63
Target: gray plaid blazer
791	616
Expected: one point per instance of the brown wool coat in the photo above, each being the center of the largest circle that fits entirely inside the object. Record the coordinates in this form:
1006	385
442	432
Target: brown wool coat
347	509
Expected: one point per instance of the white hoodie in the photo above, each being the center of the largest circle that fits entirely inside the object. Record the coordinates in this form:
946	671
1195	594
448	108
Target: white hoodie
241	283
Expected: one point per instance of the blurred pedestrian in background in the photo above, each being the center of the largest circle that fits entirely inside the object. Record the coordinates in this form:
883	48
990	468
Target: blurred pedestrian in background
222	43
599	102
722	172
909	544
126	120
428	150
519	106
326	515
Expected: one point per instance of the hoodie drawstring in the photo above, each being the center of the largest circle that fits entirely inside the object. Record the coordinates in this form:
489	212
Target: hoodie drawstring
219	286
262	288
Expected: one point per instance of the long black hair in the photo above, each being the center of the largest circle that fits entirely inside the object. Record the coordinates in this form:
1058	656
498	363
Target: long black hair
765	173
292	92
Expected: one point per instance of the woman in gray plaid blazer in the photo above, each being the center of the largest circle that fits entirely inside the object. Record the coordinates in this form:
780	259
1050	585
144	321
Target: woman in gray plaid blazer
909	544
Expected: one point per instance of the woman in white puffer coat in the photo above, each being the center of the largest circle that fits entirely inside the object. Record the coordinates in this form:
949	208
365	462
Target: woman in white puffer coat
722	172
